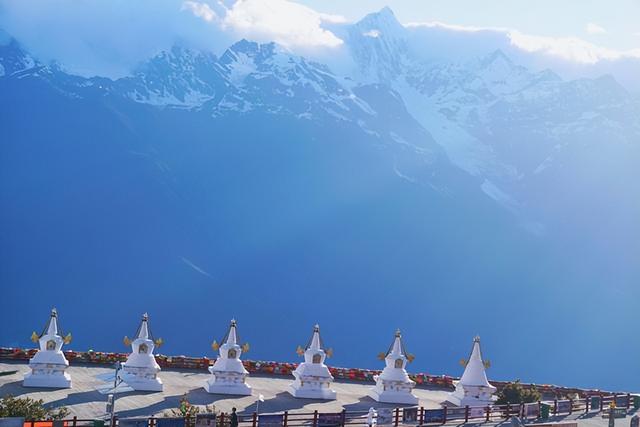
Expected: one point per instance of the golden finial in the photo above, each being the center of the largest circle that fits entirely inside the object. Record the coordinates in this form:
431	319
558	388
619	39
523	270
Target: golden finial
68	338
329	352
215	346
463	362
35	337
300	350
158	342
410	358
487	364
381	355
126	341
245	347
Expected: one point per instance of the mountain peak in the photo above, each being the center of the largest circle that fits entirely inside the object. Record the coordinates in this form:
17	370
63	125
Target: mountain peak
494	58
384	22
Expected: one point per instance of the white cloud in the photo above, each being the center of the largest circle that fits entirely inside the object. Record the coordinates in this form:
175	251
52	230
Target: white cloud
201	10
568	48
284	22
595	29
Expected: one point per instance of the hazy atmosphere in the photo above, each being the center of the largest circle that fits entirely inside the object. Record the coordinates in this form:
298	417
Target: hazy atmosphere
446	168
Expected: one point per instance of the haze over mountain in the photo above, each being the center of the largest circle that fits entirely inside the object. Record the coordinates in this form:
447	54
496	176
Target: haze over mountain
375	189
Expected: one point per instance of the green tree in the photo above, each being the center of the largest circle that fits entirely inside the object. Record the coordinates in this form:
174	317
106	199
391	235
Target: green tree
515	393
30	409
187	410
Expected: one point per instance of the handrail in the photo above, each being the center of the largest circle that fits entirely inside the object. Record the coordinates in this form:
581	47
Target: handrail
418	415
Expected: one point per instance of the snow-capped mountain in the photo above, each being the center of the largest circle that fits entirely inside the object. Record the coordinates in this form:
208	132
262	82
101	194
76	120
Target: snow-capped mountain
470	185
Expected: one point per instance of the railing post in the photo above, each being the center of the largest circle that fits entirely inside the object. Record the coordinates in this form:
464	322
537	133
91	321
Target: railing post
446	411
508	411
488	413
586	406
397	417
466	414
254	420
421	415
75	420
539	409
343	418
315	418
555	407
285	418
628	400
222	419
601	402
570	406
521	410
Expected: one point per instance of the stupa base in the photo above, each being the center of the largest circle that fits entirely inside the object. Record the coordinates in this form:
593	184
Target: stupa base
142	384
218	387
392	396
472	401
312	393
47	381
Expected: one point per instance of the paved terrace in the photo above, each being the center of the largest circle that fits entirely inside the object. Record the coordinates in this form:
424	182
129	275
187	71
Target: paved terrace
84	401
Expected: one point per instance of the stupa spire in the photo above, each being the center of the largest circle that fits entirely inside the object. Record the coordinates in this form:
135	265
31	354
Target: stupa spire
52	327
396	347
143	330
232	335
315	343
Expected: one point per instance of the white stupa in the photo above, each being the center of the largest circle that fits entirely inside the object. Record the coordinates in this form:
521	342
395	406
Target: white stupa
312	377
473	389
393	385
228	373
48	366
140	371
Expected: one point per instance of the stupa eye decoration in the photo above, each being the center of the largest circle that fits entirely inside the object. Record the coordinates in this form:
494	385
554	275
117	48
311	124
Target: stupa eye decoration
48	366
393	385
140	371
228	374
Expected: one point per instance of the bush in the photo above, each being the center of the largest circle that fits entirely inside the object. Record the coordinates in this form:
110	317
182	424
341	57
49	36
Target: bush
30	409
515	393
187	410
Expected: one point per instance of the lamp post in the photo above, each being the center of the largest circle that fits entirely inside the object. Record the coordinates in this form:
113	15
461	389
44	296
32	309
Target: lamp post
111	399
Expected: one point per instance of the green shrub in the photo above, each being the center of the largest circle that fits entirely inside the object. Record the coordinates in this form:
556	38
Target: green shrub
515	393
30	409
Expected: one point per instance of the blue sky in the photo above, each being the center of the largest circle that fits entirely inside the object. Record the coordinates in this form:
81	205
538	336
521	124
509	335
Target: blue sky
620	19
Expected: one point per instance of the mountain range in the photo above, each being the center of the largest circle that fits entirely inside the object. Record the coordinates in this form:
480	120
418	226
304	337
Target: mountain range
447	198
